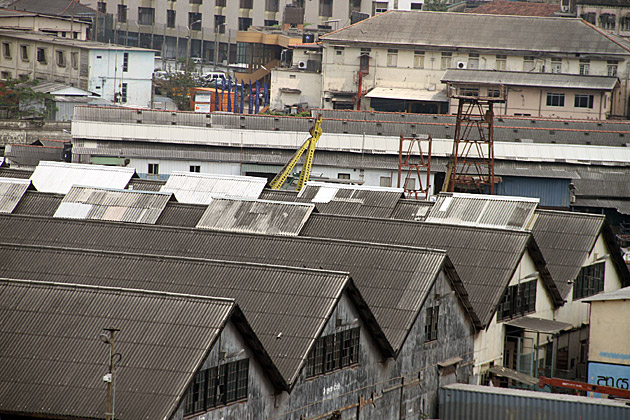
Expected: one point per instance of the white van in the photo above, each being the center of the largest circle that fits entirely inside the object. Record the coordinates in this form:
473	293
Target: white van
214	76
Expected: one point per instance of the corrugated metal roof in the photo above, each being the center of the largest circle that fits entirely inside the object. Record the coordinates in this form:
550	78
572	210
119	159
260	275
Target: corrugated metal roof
145	184
408	209
181	215
53	360
59	177
11	192
196	188
619	294
14	173
494	32
485	259
393	280
115	205
621	205
566	239
256	216
26	155
272	298
356	200
531	323
483	210
38	204
519	78
279	195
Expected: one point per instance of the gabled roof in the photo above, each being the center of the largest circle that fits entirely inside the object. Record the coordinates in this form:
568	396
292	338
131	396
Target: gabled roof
567	238
197	188
393	280
55	360
409	209
38	204
11	192
484	258
296	302
478	31
53	7
28	155
113	204
483	210
59	177
355	200
504	7
255	216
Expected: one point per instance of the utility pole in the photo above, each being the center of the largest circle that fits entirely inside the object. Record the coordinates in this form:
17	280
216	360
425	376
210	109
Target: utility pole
108	338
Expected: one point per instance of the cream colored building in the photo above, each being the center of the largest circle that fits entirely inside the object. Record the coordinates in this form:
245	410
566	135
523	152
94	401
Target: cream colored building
53	25
396	61
611	16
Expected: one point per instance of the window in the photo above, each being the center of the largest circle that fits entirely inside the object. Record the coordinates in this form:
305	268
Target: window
416	6
494	93
410	184
195	1
123	98
555	99
528	63
154	169
517	300
216	386
386	181
379	7
556	65
585	66
607	21
219	24
269	23
583	101
473	61
220	3
431	325
170	18
355	6
338	57
146	15
247	4
41	56
418	59
589	17
194	21
61	58
446	60
6	50
5	75
195	168
24	52
343	176
589	281
244	23
325	8
332	352
271	6
74	60
102	6
612	68
125	66
469	91
501	62
625	23
122	13
392	58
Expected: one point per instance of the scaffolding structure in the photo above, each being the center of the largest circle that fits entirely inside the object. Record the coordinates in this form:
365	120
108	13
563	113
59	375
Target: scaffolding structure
411	164
471	164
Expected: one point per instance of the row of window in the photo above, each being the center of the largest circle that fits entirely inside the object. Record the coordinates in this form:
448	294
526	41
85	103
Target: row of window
579	101
607	20
41	55
529	63
334	351
517	300
589	281
216	386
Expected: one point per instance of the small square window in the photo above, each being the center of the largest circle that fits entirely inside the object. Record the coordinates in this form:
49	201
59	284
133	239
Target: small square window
343	176
555	99
154	169
386	181
195	168
61	58
41	56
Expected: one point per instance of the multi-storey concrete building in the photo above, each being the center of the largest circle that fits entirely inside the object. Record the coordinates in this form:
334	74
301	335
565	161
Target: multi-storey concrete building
116	73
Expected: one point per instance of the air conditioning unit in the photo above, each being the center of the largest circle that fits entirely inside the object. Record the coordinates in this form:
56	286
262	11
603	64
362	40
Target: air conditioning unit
302	65
461	64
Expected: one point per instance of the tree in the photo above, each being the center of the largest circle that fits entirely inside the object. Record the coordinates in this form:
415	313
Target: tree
436	5
177	86
19	100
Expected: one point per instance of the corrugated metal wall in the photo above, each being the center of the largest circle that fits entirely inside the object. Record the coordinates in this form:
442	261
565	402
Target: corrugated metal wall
473	402
552	192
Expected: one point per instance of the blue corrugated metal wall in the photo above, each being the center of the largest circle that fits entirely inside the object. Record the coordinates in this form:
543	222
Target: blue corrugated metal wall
552	192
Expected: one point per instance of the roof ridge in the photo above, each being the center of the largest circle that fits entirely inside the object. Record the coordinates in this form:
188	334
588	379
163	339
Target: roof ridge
571	213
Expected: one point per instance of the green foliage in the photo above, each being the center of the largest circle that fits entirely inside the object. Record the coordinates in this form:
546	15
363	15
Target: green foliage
18	100
177	86
435	6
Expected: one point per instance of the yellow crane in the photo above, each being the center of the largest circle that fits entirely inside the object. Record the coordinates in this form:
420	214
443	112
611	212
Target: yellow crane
309	146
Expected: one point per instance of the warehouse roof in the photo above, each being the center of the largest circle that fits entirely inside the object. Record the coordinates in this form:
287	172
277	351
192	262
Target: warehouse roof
54	364
567	238
272	297
29	155
394	280
197	188
478	31
38	203
409	209
503	7
59	177
484	258
11	192
535	79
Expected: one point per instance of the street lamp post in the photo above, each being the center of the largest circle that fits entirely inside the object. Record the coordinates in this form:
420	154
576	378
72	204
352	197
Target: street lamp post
108	338
217	34
188	42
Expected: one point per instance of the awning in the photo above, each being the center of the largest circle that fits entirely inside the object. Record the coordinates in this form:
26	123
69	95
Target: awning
514	375
546	326
408	94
